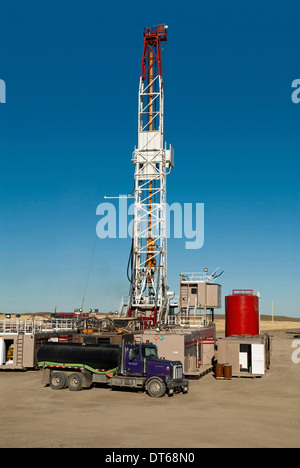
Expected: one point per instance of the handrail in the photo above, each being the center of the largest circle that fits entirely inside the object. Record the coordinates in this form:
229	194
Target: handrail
242	292
30	327
196	277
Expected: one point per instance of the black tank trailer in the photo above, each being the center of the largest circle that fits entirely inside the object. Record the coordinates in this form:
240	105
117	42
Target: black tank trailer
100	357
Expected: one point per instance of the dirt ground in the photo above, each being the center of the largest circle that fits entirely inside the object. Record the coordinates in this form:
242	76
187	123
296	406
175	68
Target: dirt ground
261	412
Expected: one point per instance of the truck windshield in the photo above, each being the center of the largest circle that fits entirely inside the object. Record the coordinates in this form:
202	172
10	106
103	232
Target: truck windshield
149	351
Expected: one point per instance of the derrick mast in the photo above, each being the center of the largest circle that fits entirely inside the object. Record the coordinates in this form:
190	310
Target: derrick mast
152	164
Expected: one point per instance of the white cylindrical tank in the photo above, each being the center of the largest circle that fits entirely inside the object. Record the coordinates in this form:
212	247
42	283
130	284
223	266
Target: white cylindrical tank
2	351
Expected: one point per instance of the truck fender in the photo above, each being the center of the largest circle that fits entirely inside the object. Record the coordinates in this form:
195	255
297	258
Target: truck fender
155	387
151	378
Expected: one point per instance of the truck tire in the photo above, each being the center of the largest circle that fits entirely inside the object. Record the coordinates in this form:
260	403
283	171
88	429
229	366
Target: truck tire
58	380
75	382
156	388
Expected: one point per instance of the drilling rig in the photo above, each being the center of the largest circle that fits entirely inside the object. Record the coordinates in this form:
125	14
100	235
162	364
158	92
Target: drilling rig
148	297
185	332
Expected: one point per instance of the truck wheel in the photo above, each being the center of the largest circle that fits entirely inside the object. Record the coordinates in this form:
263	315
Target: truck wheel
75	382
156	388
58	381
185	390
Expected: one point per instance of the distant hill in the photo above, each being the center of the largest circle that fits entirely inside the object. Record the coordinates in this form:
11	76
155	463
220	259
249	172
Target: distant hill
266	318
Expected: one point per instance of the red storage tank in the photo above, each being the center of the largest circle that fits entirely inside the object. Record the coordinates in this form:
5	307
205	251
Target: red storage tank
242	313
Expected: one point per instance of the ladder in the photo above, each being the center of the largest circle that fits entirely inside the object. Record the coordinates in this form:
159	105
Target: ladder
123	306
19	350
164	313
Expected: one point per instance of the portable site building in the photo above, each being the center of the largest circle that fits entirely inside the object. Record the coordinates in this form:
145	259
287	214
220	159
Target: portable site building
249	356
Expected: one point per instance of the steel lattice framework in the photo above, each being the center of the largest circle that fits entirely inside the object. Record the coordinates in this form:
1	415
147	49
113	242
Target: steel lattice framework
152	164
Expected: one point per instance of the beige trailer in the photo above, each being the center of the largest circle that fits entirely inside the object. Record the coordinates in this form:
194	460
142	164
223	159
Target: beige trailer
195	348
21	348
104	338
198	294
22	338
249	356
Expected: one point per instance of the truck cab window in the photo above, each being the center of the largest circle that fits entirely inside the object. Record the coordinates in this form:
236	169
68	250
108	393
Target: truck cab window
149	352
134	353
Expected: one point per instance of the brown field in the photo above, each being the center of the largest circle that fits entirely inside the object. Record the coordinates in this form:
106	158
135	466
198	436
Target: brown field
261	412
266	323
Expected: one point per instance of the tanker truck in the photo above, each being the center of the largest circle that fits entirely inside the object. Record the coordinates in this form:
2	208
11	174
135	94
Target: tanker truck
78	366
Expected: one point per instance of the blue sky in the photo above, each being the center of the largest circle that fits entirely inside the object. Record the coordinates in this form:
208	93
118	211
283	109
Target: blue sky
69	127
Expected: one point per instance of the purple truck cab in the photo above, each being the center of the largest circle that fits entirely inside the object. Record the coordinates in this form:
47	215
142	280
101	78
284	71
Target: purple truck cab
161	374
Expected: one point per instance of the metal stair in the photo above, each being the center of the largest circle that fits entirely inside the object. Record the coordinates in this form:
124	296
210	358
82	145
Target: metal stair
20	349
